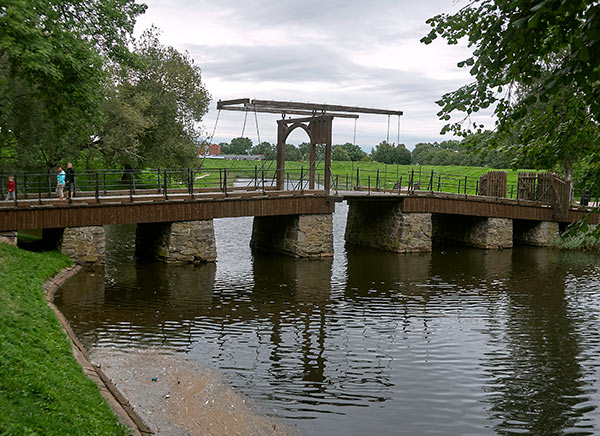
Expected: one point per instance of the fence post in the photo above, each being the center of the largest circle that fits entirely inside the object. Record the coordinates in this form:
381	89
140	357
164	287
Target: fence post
40	189
369	184
104	181
358	178
165	184
97	193
477	187
458	190
430	187
221	178
263	180
131	188
439	188
465	185
377	181
255	178
158	178
346	181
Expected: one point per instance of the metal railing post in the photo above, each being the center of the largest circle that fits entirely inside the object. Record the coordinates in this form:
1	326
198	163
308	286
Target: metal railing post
377	181
158	178
97	193
165	184
192	177
40	189
225	181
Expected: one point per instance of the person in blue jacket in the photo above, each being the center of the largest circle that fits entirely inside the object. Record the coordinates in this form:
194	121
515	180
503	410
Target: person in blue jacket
60	182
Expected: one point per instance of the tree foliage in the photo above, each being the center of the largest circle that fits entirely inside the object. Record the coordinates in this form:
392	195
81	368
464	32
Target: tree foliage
52	58
535	62
153	108
391	154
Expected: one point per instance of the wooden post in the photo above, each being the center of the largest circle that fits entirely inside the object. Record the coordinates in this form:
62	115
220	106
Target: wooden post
328	155
281	137
312	158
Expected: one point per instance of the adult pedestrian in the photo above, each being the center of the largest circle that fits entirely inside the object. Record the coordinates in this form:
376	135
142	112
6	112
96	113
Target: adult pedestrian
10	189
70	180
60	182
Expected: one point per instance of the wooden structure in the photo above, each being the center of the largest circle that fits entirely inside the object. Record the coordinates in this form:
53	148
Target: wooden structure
317	124
493	184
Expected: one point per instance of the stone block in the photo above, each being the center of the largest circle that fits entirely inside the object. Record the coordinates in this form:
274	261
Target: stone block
537	233
307	236
490	233
178	242
84	245
9	238
383	225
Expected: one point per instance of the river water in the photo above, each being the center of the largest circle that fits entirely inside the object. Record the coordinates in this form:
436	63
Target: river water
456	342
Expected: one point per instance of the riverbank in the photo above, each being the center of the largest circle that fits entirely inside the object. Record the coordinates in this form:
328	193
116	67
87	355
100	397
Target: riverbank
179	397
43	389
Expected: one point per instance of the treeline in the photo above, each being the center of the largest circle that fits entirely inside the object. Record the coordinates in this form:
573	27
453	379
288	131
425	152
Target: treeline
444	153
76	86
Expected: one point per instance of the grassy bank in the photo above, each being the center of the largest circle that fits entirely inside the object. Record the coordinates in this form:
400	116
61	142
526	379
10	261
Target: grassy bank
43	390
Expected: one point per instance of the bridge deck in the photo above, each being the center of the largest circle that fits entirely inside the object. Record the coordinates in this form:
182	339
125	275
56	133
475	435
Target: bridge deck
180	205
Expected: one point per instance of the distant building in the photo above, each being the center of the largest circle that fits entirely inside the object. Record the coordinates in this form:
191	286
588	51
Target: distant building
213	150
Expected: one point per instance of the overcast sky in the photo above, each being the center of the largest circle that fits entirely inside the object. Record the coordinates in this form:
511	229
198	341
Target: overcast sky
350	52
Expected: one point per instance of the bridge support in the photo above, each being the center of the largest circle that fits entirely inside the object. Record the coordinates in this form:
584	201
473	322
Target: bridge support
9	238
480	232
178	242
538	233
308	236
84	245
383	225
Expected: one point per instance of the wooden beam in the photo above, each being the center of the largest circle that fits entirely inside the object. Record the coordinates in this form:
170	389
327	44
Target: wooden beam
304	120
274	104
222	103
249	108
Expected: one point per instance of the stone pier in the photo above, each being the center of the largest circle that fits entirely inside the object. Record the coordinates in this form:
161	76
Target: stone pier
537	233
383	225
480	232
84	245
177	242
9	238
309	236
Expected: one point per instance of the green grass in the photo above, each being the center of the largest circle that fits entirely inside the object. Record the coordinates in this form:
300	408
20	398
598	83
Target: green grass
43	390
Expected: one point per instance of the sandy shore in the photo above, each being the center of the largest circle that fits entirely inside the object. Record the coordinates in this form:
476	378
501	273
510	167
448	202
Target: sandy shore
178	397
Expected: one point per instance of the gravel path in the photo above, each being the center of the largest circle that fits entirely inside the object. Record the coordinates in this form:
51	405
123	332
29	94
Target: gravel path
177	397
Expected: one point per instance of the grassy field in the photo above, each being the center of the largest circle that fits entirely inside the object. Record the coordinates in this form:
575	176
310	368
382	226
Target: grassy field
43	390
374	174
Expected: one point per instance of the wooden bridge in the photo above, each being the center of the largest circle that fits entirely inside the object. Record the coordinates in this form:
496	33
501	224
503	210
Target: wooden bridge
174	210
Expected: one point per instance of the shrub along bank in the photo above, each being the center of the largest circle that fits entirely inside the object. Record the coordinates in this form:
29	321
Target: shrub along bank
43	390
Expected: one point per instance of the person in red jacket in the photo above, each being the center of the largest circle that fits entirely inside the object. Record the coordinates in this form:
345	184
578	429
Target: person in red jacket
10	190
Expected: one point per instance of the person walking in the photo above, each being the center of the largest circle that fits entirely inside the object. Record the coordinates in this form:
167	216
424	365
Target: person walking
10	189
60	183
70	180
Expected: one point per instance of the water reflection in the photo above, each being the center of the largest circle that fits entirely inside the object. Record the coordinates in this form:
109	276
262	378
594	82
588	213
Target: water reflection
458	341
536	380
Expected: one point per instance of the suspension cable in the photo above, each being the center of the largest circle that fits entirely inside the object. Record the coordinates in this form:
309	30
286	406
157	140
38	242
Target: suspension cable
244	126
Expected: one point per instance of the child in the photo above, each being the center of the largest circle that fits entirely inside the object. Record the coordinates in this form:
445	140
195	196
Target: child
10	190
60	182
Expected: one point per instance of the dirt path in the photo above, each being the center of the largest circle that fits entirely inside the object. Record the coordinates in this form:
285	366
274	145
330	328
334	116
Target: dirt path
177	397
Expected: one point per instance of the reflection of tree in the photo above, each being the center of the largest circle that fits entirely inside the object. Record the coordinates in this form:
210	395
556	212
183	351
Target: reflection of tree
536	380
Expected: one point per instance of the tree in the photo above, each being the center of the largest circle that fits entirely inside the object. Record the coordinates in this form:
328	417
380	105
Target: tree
238	146
536	63
153	108
391	154
354	151
268	150
292	153
518	42
52	59
339	153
